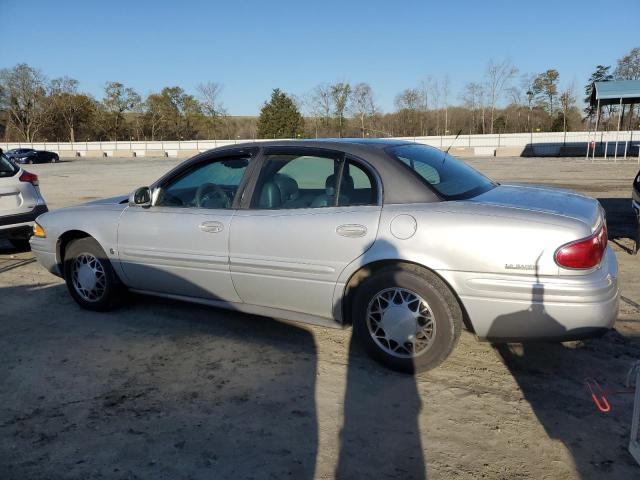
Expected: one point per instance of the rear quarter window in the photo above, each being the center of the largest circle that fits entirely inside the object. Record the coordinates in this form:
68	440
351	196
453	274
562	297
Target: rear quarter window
451	178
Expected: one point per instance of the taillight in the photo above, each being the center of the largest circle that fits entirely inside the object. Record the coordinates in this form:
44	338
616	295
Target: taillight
31	178
584	253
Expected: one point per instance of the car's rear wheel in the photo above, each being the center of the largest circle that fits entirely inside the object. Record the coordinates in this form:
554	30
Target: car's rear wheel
54	159
90	277
406	318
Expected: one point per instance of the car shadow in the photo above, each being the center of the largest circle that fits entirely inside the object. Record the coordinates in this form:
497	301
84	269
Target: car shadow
163	388
621	221
552	377
157	389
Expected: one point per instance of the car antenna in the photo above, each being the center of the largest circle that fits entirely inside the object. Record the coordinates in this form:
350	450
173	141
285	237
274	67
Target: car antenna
444	157
454	141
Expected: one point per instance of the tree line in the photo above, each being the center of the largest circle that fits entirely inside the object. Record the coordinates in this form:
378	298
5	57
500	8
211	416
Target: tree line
502	100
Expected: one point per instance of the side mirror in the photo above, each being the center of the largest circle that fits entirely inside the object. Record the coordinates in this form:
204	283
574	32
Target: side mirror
141	197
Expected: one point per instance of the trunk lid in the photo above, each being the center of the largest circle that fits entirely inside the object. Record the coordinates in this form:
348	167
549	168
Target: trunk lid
548	200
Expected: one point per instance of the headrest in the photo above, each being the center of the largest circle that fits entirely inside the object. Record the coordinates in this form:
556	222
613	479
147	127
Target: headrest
347	185
270	196
287	185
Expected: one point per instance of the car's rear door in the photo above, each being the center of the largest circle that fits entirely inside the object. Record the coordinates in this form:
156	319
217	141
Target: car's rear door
288	247
179	245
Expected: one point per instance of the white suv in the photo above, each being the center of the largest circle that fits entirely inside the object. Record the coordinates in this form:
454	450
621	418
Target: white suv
20	203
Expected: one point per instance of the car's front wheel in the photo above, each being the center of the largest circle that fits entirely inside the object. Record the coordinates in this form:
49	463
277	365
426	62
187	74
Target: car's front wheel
406	318
89	276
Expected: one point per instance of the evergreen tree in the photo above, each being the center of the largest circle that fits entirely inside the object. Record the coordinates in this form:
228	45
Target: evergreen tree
279	117
601	74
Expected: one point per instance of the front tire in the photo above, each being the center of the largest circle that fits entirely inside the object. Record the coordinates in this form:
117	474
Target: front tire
406	318
90	278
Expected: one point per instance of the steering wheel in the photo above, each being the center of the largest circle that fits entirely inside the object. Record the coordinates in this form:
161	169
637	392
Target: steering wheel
211	191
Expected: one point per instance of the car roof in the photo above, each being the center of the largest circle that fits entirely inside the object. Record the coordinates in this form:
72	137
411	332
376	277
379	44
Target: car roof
342	144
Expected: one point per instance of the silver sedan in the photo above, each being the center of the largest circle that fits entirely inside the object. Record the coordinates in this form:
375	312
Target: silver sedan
400	240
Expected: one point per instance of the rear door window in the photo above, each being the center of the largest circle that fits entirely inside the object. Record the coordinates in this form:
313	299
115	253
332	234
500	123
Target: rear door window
290	181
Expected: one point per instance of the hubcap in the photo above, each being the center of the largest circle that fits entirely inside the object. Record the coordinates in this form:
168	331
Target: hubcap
88	277
401	322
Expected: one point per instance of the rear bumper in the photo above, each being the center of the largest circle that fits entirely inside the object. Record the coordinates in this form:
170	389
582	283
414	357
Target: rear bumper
10	223
523	308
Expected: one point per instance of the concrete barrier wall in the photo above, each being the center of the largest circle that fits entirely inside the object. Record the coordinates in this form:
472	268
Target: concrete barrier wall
512	144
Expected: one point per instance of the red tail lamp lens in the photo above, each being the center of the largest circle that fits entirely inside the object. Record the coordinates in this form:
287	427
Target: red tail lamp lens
584	253
31	178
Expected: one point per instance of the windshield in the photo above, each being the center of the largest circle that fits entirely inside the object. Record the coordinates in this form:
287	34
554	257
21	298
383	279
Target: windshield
7	167
449	177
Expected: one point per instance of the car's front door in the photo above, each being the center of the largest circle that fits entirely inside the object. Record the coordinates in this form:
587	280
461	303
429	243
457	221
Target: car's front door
311	214
179	245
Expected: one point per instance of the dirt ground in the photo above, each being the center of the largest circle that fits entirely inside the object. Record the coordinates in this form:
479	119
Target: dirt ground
166	390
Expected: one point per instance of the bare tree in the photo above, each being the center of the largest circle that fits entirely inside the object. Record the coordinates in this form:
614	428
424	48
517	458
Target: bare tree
445	97
424	105
629	69
472	100
362	104
212	107
567	101
322	103
498	75
434	88
24	96
68	104
340	94
409	102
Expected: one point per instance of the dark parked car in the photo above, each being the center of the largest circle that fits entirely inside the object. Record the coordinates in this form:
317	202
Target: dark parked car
29	155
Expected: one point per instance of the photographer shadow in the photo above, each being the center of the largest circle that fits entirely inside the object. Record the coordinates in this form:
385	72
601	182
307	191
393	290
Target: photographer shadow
551	376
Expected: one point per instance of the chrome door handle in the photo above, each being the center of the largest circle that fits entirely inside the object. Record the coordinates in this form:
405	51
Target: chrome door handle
211	227
351	230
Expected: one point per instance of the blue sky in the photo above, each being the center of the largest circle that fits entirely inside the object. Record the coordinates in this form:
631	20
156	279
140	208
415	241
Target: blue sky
253	46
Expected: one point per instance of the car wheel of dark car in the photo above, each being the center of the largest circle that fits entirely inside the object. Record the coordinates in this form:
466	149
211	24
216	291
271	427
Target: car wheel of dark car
406	318
55	159
90	277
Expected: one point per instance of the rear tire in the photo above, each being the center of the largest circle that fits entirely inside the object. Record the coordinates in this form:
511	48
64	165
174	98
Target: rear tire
406	302
90	277
55	159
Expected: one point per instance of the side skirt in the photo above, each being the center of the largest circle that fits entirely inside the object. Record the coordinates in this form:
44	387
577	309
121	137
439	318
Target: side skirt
276	313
